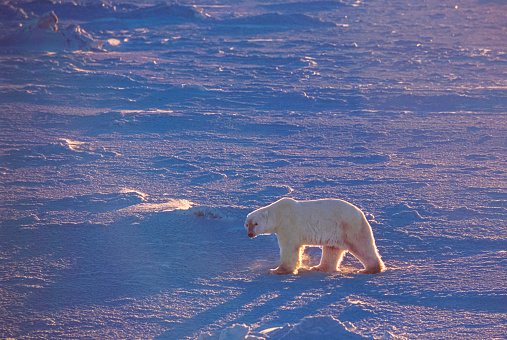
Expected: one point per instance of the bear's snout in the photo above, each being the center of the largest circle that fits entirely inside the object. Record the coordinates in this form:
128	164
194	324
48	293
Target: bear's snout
250	226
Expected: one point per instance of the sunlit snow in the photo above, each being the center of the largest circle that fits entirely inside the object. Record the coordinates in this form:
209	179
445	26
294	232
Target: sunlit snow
135	137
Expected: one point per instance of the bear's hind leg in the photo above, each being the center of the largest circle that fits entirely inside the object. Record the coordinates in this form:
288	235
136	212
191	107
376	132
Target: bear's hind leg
330	261
363	247
369	258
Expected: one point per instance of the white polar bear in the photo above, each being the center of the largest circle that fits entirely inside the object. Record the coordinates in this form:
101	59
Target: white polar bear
334	224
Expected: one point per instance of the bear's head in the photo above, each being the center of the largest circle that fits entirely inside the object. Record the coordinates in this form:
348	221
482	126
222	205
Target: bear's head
257	223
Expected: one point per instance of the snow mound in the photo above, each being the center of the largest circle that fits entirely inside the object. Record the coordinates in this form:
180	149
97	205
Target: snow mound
235	332
167	205
48	21
315	328
44	34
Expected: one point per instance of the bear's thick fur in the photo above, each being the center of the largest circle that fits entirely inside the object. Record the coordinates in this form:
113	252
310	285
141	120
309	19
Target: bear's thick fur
336	225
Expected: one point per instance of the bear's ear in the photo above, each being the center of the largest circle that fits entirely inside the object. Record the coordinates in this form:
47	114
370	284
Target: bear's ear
264	214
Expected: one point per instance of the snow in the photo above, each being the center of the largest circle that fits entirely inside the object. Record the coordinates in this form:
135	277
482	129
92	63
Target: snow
135	137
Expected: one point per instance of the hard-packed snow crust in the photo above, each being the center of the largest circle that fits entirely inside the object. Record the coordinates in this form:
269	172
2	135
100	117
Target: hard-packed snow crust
135	136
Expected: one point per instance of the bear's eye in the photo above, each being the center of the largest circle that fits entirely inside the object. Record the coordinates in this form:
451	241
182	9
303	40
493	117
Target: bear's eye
256	224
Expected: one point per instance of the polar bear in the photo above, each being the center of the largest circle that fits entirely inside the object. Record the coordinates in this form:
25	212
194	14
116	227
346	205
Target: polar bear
336	225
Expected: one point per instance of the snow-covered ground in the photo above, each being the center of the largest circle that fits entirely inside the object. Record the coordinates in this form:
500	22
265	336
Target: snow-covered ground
135	137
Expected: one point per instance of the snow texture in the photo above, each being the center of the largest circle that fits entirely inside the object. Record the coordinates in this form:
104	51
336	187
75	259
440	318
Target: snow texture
135	136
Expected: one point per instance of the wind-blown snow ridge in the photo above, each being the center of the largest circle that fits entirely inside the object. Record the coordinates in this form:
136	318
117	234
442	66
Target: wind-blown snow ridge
170	205
315	328
43	33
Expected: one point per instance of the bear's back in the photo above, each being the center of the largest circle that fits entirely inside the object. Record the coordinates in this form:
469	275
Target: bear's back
329	204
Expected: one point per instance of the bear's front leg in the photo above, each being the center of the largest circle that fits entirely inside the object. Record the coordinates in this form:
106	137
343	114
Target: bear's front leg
289	260
330	261
282	270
